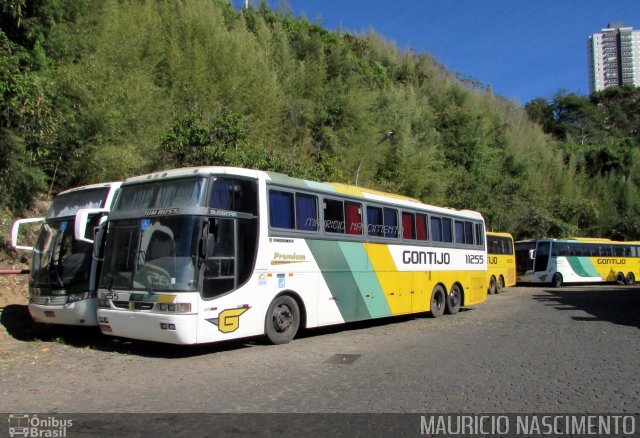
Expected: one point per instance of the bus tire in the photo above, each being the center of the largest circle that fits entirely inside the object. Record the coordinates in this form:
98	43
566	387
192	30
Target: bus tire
438	301
501	283
620	279
631	279
492	285
454	300
557	279
282	320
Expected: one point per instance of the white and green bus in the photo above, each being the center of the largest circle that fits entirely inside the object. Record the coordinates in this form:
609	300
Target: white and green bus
62	287
210	254
577	260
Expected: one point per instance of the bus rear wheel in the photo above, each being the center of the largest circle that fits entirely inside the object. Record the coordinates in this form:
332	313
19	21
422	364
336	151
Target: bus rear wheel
557	279
501	285
438	301
620	279
492	285
282	320
631	279
454	300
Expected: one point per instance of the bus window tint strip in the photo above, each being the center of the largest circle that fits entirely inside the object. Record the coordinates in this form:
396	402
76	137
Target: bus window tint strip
294	211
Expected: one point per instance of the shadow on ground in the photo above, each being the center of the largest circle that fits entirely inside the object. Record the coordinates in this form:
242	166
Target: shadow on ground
19	325
615	304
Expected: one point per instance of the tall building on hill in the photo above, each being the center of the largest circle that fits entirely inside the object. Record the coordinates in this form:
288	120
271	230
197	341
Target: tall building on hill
614	57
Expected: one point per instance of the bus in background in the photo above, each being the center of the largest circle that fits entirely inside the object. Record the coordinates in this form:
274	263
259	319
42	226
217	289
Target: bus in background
577	260
210	254
501	268
62	287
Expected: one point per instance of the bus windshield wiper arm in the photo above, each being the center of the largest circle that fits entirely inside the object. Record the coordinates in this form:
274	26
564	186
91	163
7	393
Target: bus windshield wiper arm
147	284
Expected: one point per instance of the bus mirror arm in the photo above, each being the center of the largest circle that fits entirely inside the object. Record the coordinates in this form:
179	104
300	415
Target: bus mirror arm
82	216
532	254
15	231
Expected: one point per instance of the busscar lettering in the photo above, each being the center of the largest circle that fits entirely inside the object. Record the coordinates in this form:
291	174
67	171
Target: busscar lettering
161	212
226	213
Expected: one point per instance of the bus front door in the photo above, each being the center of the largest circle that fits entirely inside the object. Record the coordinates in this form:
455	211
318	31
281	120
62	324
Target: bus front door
542	256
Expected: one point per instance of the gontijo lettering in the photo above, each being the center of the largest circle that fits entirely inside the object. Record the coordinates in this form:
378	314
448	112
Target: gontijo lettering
425	258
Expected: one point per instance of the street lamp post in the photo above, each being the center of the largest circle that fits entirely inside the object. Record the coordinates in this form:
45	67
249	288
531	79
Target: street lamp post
384	138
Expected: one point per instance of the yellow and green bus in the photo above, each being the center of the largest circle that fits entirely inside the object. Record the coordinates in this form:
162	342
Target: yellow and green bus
577	260
210	254
501	267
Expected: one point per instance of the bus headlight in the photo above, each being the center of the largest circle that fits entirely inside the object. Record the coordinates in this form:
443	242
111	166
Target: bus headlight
183	308
174	307
78	297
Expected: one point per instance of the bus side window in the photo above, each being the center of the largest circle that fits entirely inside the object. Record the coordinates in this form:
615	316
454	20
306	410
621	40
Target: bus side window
333	216
374	221
306	212
408	226
391	223
353	213
422	225
447	235
479	235
281	210
436	229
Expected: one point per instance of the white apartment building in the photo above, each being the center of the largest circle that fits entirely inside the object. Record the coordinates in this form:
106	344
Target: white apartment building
614	57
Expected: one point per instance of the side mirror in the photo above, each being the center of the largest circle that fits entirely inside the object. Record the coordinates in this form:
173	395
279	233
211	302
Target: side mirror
532	254
82	217
15	230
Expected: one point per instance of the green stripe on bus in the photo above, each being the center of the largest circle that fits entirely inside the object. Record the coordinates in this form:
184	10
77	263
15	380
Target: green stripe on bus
338	276
297	182
367	280
583	266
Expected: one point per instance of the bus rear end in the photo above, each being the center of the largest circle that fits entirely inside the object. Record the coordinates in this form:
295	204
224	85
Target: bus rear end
501	271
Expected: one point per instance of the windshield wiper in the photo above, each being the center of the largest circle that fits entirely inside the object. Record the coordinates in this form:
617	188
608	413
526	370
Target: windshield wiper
142	255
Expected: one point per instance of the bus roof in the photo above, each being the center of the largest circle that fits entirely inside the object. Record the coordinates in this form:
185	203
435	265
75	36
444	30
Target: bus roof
580	240
286	180
497	233
114	184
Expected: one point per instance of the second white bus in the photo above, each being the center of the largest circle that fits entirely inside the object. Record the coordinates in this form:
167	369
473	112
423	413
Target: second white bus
62	287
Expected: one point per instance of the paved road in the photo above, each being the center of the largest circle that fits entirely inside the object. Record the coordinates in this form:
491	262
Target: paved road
573	349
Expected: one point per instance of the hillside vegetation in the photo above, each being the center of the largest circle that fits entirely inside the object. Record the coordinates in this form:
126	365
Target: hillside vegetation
103	90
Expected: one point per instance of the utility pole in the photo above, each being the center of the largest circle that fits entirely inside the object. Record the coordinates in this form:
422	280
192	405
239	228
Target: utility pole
384	138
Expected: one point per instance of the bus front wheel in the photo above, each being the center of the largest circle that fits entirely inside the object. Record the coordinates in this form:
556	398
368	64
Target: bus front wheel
631	279
282	320
557	279
454	300
438	300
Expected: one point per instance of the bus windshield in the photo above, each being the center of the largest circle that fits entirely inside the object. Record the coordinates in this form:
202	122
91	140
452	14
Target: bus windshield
59	260
162	194
68	204
152	254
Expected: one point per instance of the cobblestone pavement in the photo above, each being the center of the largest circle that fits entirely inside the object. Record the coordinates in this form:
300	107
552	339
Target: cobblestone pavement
573	349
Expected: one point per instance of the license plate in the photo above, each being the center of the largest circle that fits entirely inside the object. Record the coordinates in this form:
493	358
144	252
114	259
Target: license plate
49	313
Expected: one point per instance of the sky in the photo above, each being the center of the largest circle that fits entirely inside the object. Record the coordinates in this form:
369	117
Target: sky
524	49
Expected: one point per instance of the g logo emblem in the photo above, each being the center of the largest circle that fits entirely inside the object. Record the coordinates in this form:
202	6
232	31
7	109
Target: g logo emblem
228	320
